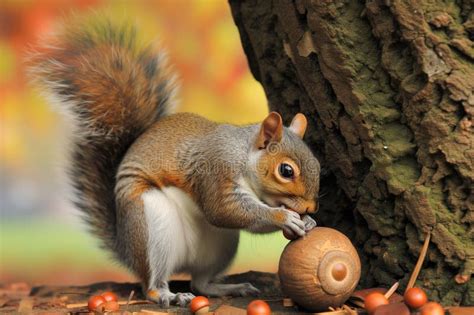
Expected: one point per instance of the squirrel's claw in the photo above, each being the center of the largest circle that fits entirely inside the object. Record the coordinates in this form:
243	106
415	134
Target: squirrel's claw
165	298
183	299
309	223
248	289
294	223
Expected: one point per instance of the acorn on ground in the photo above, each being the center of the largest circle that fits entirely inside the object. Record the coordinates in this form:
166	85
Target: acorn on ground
199	305
258	307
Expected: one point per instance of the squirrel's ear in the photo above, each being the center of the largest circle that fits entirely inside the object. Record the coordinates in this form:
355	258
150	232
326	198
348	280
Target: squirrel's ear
298	125
270	130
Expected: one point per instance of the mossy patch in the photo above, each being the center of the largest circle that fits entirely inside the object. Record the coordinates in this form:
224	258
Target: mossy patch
402	175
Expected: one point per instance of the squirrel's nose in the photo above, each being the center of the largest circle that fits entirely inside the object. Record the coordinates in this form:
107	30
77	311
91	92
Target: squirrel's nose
310	206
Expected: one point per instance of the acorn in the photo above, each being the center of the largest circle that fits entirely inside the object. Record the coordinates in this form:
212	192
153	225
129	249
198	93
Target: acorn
415	298
109	296
95	303
111	306
373	301
199	305
258	307
432	308
319	270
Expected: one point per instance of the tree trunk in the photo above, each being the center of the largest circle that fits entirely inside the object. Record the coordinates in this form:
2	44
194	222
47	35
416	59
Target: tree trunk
387	87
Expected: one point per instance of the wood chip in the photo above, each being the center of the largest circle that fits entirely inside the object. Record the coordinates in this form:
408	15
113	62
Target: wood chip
419	263
76	305
288	302
3	301
26	305
229	310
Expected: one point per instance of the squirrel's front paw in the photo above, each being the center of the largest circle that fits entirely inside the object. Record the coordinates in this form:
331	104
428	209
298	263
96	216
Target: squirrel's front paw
289	221
309	223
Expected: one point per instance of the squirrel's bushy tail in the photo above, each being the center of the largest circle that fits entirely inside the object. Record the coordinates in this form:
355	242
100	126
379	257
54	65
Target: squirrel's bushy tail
113	90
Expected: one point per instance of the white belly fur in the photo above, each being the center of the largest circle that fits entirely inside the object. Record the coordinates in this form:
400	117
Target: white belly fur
180	239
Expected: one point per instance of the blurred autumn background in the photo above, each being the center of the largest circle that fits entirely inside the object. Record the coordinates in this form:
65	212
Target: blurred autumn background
41	238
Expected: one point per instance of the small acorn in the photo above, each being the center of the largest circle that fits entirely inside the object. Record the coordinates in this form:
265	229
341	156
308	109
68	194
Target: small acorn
199	305
111	306
373	301
432	308
258	307
415	298
109	296
95	302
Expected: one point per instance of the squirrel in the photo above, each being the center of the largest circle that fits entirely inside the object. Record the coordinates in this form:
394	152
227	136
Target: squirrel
168	192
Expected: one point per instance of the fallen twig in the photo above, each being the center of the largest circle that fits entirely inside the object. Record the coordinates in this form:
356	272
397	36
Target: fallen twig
129	299
77	305
419	263
392	290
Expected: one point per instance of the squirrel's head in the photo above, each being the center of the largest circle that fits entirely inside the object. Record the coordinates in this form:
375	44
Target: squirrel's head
287	172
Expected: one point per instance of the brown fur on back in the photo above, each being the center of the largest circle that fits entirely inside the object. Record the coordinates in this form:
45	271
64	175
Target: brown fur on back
156	152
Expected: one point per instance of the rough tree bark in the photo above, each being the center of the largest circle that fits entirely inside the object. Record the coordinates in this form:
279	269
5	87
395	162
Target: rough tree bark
388	90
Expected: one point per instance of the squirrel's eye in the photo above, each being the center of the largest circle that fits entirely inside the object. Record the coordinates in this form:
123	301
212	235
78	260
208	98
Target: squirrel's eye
286	171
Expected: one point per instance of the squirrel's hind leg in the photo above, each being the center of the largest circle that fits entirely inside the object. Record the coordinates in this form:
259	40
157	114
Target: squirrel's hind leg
165	248
220	248
148	233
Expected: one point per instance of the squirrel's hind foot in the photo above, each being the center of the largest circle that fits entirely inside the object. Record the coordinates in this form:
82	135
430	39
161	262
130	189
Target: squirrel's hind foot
245	289
164	297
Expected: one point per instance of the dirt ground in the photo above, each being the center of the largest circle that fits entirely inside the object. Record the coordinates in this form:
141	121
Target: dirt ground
16	298
19	298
